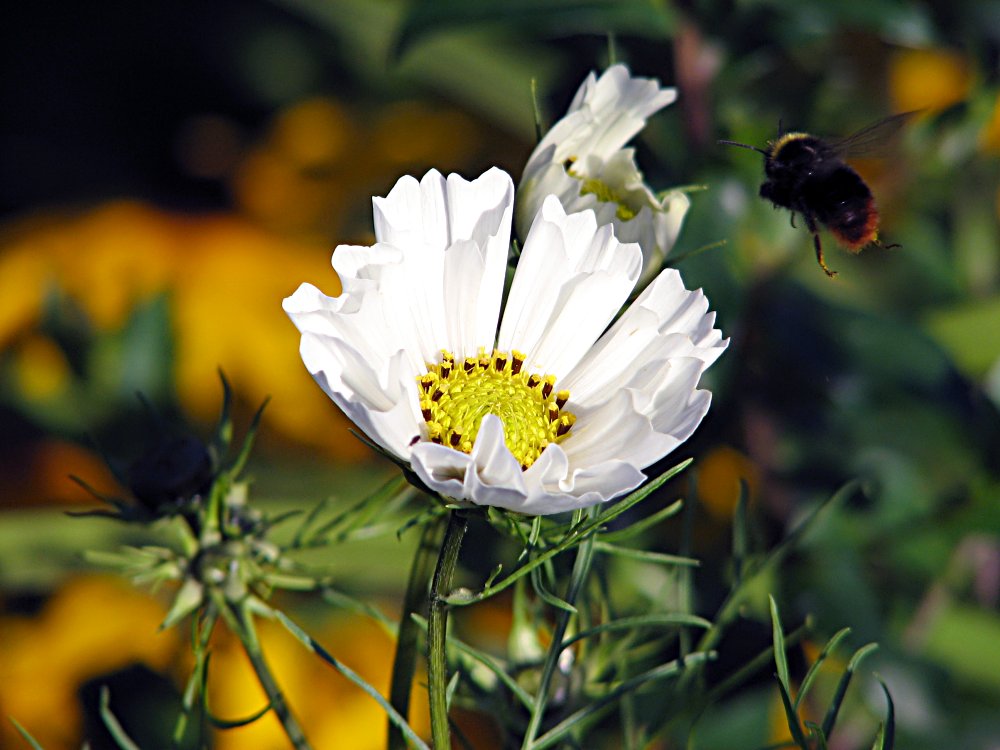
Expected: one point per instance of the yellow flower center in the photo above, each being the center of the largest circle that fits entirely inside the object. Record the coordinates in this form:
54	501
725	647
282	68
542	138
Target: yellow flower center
607	194
455	396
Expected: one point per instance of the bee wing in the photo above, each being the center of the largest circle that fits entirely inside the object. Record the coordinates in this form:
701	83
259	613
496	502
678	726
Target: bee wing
872	138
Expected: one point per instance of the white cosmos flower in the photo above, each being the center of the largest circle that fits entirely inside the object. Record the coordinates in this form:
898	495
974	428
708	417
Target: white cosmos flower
551	410
582	161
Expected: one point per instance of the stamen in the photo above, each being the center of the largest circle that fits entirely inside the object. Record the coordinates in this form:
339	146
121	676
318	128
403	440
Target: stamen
456	396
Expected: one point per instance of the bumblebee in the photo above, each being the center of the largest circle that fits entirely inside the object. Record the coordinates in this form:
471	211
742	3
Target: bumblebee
808	176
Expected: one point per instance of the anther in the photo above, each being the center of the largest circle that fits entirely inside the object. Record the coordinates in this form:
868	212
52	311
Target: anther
516	363
549	385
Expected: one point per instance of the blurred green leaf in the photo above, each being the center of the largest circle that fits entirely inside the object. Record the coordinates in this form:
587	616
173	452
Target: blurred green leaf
491	75
558	17
970	332
961	638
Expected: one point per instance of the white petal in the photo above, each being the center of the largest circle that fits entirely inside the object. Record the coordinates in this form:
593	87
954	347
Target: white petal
572	278
665	321
555	487
490	475
414	215
605	115
383	403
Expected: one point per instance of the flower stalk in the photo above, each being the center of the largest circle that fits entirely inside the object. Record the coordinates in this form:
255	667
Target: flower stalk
414	601
240	622
437	626
581	569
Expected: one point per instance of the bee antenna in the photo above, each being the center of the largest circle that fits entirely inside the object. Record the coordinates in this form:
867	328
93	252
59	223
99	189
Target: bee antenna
744	145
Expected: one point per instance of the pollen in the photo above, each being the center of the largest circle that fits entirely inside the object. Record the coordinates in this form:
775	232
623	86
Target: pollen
607	194
456	395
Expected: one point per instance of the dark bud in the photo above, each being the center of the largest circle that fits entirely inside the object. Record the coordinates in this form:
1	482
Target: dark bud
172	473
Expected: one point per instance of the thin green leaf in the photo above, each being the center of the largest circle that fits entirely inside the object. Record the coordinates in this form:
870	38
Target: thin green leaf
308	641
753	666
355	513
201	631
237	723
114	727
816	732
547	596
845	680
672	261
662	672
224	430
237	466
886	739
660	558
780	658
792	718
583	530
487	661
643	524
639	621
24	733
539	130
307	523
814	669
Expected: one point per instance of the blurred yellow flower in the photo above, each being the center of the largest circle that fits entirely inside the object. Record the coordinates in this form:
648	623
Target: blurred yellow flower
93	625
415	135
41	369
929	79
293	180
39	473
224	275
332	710
719	475
989	138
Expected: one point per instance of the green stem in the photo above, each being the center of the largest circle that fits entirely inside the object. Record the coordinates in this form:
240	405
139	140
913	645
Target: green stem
240	621
437	625
581	567
405	662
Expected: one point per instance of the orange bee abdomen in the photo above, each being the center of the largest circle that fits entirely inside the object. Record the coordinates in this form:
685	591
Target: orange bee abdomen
856	224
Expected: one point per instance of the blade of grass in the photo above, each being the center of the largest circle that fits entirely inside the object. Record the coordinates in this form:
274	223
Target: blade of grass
117	731
26	735
664	671
639	621
814	669
660	558
845	679
583	531
792	718
644	523
887	732
780	658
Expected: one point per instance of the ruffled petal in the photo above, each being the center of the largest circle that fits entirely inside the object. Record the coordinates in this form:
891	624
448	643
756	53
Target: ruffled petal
383	402
606	113
571	280
490	475
664	322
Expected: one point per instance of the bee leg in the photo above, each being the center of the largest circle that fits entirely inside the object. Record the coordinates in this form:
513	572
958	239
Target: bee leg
879	243
793	220
811	223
